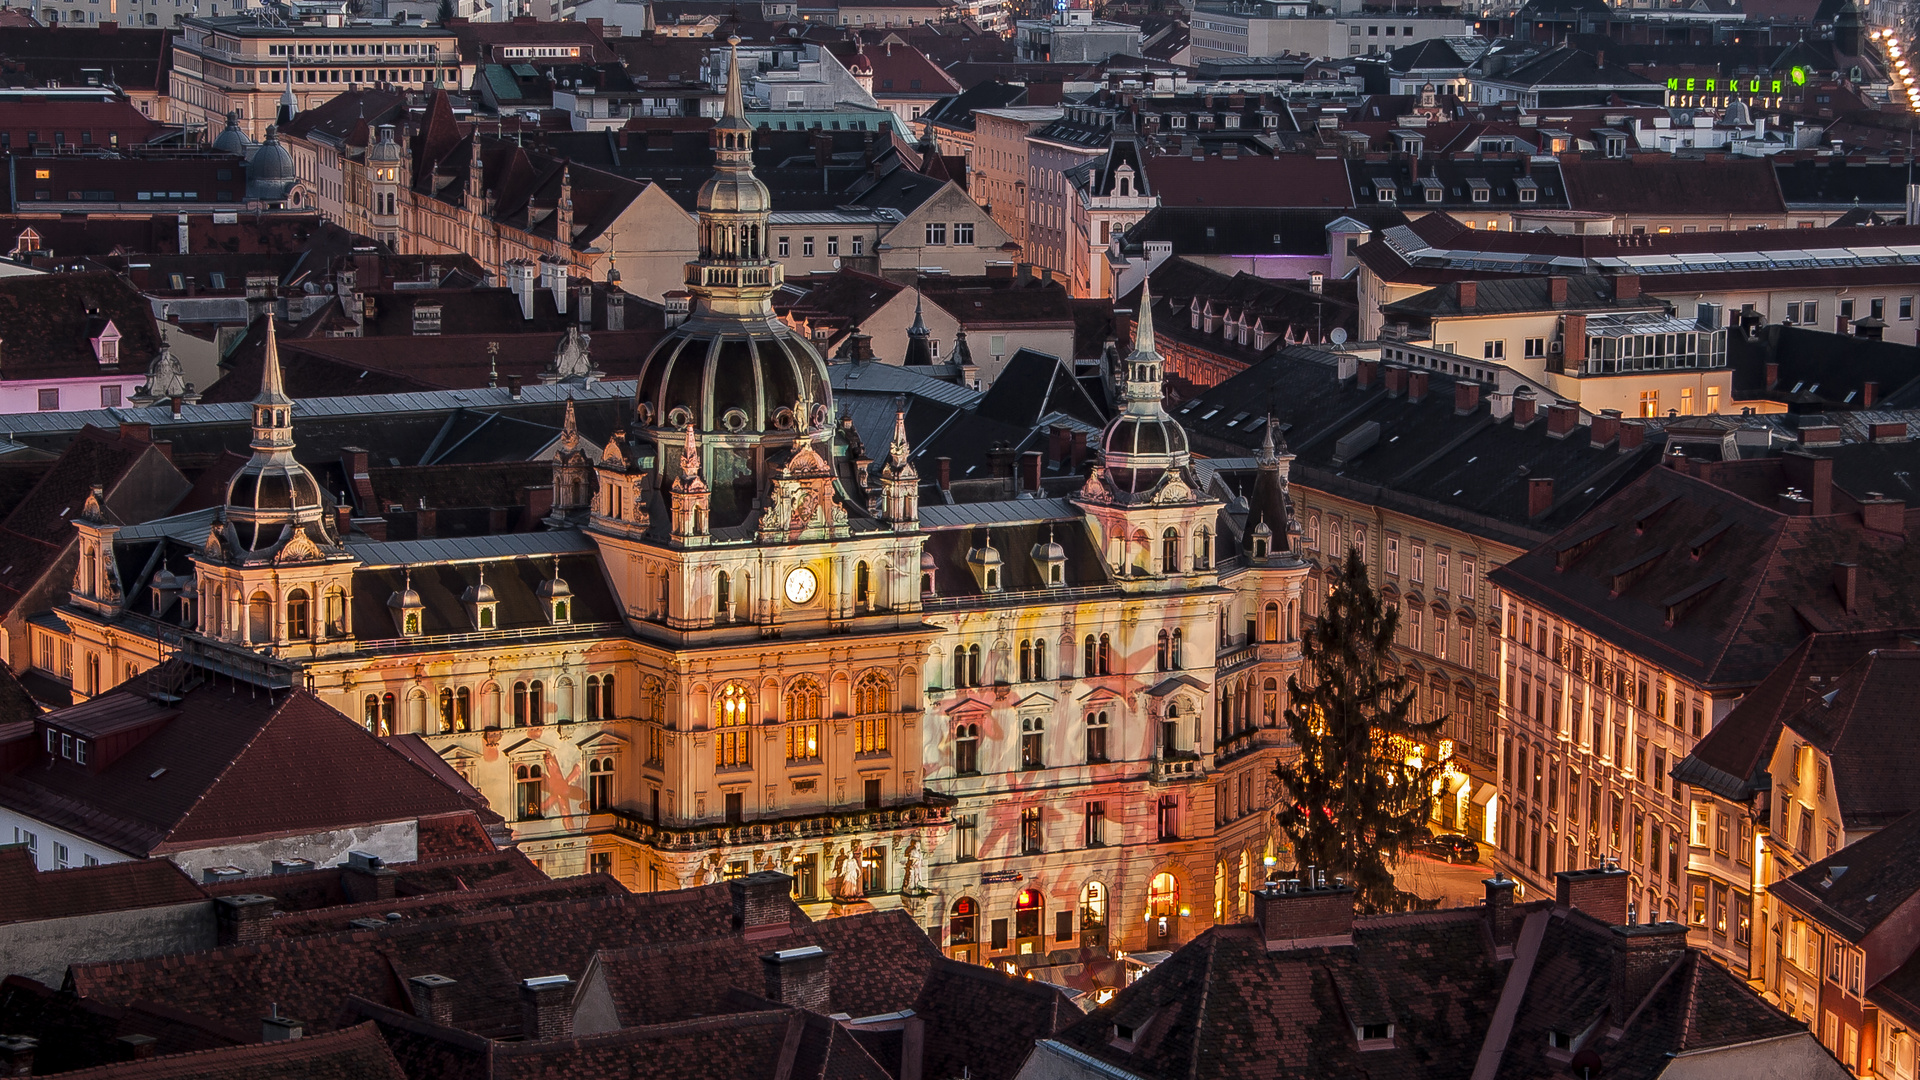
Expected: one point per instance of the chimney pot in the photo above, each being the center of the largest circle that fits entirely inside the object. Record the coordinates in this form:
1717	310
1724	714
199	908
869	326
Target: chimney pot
1523	409
513	387
1869	393
1416	386
1539	495
946	472
1304	917
1031	466
1466	396
432	998
1605	427
1882	514
1642	954
277	1028
1396	380
1366	374
761	909
1557	291
242	919
1632	434
798	977
1562	418
1500	916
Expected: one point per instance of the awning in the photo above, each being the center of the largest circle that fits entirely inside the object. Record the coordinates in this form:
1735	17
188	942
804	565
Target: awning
1485	794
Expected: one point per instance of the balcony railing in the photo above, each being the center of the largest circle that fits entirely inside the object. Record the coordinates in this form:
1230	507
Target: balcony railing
481	637
812	826
1016	596
1178	766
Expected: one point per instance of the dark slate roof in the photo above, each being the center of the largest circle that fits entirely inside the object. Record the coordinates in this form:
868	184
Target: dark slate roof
1225	1005
219	766
1856	724
1286	180
1015	541
1567	66
1731	760
1816	369
1853	890
1034	385
46	320
1285	308
78	1032
1501	296
514	580
1626	573
957	111
1253	231
1830	182
1664	184
1427	55
355	1053
1457	181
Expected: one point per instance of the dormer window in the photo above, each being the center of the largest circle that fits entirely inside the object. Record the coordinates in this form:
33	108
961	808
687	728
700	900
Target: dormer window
106	344
481	604
1373	1036
1560	1040
1386	194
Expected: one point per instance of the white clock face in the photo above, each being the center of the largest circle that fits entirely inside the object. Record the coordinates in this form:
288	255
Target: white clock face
800	585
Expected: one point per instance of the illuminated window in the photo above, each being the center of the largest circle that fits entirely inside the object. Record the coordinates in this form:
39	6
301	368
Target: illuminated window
732	712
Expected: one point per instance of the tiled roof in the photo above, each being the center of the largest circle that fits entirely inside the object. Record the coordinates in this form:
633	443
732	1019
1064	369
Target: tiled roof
46	321
1856	723
1501	296
480	40
355	1053
1628	573
1663	184
1730	759
27	894
1854	890
77	1032
222	766
62	55
1288	180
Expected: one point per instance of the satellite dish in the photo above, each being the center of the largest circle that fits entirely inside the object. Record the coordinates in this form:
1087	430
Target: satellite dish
1339	335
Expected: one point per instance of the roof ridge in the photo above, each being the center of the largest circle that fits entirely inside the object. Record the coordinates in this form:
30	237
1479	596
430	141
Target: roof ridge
364	1032
232	762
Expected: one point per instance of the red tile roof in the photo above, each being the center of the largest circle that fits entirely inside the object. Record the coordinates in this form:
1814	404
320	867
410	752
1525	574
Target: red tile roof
47	320
1288	180
355	1053
81	123
224	765
27	893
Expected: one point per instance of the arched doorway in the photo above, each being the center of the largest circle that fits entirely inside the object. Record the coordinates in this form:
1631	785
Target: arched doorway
963	930
1163	912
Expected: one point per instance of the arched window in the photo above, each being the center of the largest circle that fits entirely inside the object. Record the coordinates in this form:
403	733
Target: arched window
519	704
1090	665
959	665
607	711
1053	574
1026	660
1161	654
600	784
873	693
1271	631
803	698
732	712
723	597
963	922
1106	655
1163	897
926	584
1029	906
1033	737
536	702
386	715
1039	658
1097	728
966	749
370	719
446	710
993	580
1293	627
1170	551
593	697
486	618
1174	654
334	611
463	709
862	586
259	618
973	665
1270	703
1202	548
527	798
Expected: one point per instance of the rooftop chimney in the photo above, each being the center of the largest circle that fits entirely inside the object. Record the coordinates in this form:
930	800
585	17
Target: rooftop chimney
1881	514
945	465
1846	584
1031	463
1626	286
513	387
1500	915
1396	379
277	1028
546	1007
1466	396
1416	386
366	877
1563	417
1296	915
1888	433
1539	495
242	919
1605	427
1869	393
1469	295
761	909
798	977
432	998
1632	434
1523	409
1600	892
1642	954
16	1055
1557	291
1366	374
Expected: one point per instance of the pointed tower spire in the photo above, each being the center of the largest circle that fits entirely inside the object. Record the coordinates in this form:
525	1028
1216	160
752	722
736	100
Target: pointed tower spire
1267	456
1143	326
919	338
736	108
690	457
569	429
289	105
899	480
272	388
689	495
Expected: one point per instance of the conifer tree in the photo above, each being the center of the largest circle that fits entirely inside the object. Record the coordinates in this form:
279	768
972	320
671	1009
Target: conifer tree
1360	792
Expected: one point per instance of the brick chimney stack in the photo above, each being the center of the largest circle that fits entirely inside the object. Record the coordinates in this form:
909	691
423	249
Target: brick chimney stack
1539	495
1600	892
1642	954
798	977
242	919
1466	397
546	1007
432	998
761	909
1501	921
1298	915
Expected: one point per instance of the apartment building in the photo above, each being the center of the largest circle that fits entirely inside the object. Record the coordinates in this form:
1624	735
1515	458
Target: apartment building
241	64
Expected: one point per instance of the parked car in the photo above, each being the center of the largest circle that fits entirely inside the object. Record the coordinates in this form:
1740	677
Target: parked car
1452	847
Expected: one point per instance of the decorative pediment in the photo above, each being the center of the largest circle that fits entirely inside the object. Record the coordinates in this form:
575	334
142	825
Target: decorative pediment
968	707
298	548
215	545
603	742
1176	682
458	756
1035	700
1173	489
528	748
1101	695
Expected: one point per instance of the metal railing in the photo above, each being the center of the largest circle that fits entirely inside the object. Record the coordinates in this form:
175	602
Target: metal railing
832	823
479	637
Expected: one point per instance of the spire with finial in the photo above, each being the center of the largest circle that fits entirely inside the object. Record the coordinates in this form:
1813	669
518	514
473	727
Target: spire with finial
493	363
919	338
897	450
1267	455
272	408
690	456
736	108
1143	326
569	429
1143	377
